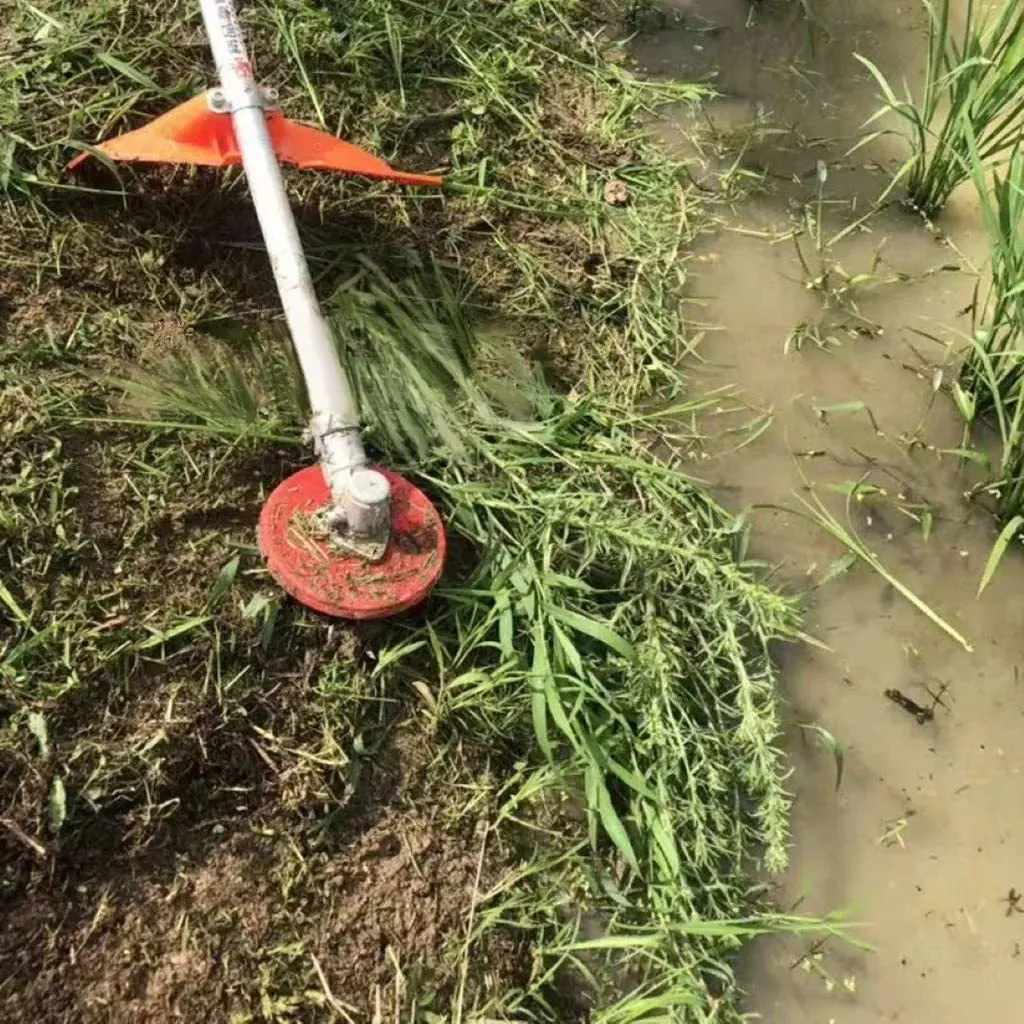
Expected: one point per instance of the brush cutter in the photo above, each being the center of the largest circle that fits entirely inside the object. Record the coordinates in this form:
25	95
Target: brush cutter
344	538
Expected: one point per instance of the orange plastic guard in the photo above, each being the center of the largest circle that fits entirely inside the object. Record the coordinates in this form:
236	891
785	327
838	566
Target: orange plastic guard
193	134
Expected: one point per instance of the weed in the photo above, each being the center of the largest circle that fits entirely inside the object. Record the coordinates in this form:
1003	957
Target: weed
808	331
815	509
813	962
823	272
892	834
832	745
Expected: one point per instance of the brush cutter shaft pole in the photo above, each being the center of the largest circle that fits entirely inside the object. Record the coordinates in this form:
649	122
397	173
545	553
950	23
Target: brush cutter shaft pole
330	399
318	356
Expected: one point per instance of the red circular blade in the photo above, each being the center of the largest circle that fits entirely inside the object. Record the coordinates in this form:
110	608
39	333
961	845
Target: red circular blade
344	585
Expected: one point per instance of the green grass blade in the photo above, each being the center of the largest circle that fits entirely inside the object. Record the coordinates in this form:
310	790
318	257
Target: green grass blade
1006	535
599	631
820	514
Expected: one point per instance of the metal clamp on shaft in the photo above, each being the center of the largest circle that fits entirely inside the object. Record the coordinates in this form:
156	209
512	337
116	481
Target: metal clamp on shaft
249	95
360	516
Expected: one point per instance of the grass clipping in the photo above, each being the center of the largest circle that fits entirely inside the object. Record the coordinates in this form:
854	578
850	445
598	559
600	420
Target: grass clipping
601	631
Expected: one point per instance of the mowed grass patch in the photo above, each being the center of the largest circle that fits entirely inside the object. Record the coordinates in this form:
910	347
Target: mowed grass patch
569	757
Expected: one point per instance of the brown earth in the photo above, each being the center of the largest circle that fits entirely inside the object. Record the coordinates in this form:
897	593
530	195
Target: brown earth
164	934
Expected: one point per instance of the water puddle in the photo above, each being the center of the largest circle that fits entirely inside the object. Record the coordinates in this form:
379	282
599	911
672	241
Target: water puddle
921	842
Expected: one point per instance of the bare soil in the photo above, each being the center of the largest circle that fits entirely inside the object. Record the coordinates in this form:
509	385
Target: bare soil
164	934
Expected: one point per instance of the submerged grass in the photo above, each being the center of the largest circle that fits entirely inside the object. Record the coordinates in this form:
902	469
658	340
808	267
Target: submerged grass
973	93
580	731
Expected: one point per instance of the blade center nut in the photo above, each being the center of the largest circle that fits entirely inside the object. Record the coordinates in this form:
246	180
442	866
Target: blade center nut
368	508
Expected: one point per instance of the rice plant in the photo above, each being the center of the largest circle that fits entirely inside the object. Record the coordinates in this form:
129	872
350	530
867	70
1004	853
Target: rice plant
993	370
991	386
973	88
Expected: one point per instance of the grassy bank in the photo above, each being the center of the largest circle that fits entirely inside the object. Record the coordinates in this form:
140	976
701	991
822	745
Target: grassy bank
539	799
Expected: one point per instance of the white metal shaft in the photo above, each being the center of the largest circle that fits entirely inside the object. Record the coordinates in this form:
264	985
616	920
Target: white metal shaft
330	398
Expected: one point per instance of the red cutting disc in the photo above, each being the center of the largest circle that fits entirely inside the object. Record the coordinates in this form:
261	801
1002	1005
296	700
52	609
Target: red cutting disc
344	585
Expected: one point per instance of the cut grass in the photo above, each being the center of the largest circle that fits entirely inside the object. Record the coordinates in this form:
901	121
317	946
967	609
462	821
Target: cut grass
609	619
973	90
592	689
815	509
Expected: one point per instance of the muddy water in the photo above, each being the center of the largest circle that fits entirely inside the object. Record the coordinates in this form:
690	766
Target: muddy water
924	841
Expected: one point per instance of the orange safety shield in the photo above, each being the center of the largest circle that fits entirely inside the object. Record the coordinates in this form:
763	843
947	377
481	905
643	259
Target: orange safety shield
194	134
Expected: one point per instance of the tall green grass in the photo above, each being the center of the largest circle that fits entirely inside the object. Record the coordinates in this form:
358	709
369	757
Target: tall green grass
973	89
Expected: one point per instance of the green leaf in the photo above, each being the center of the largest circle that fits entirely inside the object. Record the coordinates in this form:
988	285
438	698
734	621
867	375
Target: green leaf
964	402
12	605
841	565
927	524
58	804
568	648
390	655
596	629
665	840
840	407
225	580
162	636
552	695
7	147
613	826
606	763
539	674
634	1009
426	694
269	621
132	72
614	942
48	19
1007	534
37	726
970	454
255	605
630	778
880	80
591	782
832	745
506	624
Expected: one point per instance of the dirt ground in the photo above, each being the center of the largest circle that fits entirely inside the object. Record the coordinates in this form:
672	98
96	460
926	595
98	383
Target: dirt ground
162	937
921	843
